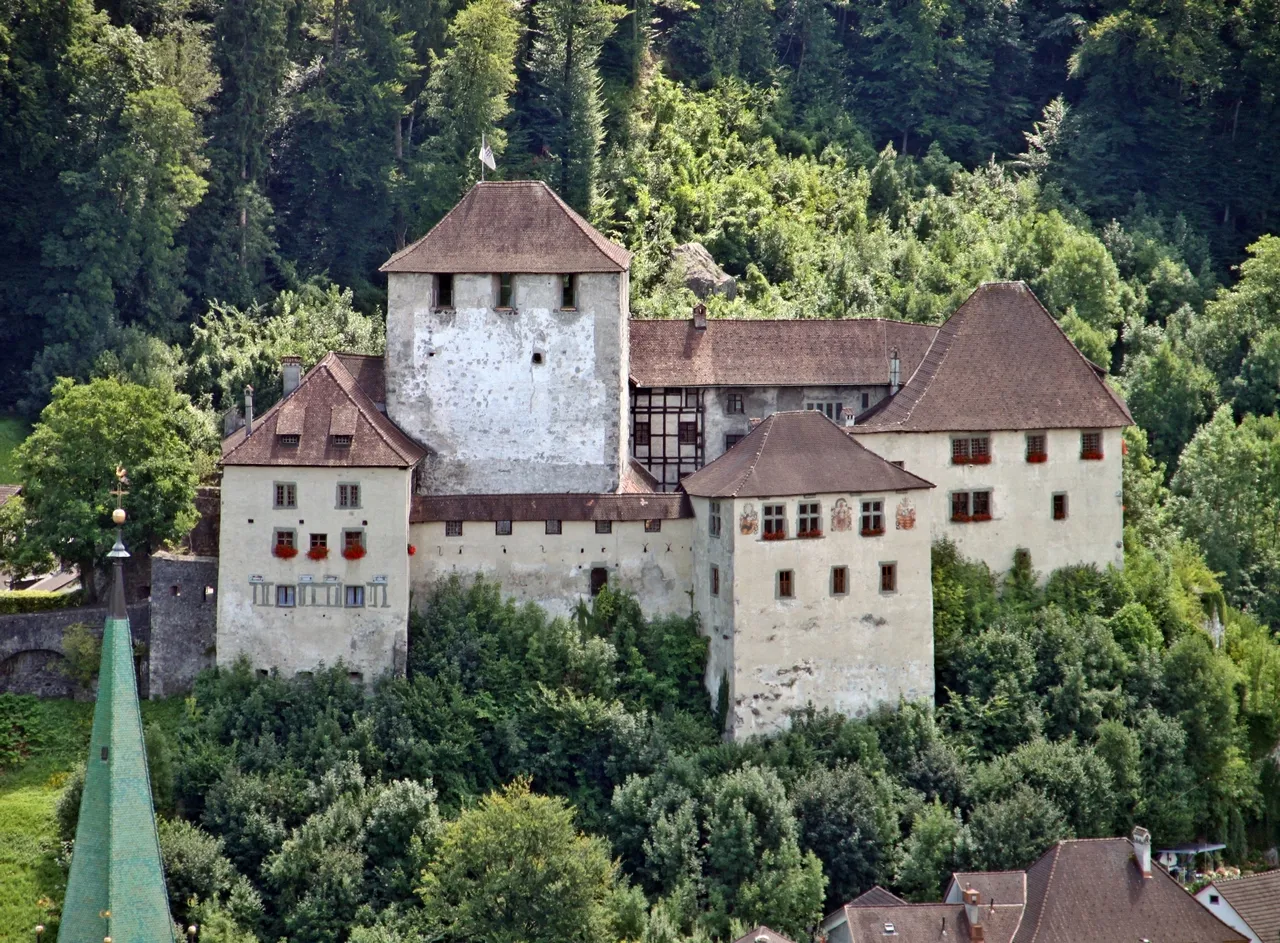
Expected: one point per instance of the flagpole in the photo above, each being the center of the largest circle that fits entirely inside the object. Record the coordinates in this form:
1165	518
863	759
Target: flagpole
482	146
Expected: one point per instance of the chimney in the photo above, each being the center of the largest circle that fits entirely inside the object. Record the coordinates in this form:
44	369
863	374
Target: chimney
847	415
290	373
895	371
754	422
248	411
699	317
1142	850
973	913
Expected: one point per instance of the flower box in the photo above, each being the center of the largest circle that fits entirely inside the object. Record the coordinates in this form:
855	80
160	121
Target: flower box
980	460
961	518
354	552
872	532
775	535
809	534
284	551
960	460
1091	456
1037	458
980	517
412	549
318	553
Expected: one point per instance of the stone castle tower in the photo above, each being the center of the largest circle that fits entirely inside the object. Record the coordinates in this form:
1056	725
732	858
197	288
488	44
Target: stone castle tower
507	347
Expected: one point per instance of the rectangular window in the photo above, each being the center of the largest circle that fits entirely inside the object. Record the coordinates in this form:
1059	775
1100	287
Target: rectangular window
340	441
286	495
353	540
286	596
505	283
786	584
866	400
775	521
713	519
971	450
872	518
599	579
553	527
691	399
809	519
653	526
981	501
830	410
688	433
568	292
348	496
604	527
960	506
453	528
1059	507
288	441
285	538
731	440
735	406
319	541
502	528
444	291
1036	447
839	580
355	596
1091	446
642	433
888	577
715	581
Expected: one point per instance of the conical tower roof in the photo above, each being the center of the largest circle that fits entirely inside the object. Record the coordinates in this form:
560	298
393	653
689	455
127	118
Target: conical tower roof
116	888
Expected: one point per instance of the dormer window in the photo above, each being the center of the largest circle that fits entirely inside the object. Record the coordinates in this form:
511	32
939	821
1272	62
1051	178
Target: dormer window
341	441
506	282
568	292
288	441
444	291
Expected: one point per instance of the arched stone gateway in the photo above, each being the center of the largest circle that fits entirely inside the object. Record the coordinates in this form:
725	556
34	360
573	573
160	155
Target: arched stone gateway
36	671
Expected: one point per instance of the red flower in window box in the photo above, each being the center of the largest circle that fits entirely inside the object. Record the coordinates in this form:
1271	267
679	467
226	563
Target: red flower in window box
353	552
980	460
961	518
774	535
412	549
318	553
1091	456
980	517
810	534
872	532
1037	458
284	551
960	460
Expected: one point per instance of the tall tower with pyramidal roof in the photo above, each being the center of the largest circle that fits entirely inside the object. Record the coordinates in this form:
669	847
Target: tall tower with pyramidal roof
116	889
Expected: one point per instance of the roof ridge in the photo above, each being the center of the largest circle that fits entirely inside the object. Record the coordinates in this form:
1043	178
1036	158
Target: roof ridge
1271	873
397	256
858	318
584	227
766	424
354	393
1053	867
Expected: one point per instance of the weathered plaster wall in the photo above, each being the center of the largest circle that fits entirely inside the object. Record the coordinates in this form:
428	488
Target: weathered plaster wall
554	571
370	640
849	653
716	611
762	402
184	620
1022	497
463	382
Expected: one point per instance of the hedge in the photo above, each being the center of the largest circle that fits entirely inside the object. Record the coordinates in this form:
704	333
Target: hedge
31	600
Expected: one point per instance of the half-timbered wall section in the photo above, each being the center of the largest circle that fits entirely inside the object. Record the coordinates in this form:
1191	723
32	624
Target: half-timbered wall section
667	434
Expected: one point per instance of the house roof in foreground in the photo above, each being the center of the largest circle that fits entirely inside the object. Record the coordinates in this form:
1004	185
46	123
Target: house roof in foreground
1001	362
1005	887
511	226
762	934
1256	898
922	923
798	453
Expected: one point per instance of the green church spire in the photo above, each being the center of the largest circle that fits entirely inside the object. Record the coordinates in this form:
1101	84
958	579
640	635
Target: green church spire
116	888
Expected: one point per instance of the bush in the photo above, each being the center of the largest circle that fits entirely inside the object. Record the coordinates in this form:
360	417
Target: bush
67	810
83	652
23	601
19	728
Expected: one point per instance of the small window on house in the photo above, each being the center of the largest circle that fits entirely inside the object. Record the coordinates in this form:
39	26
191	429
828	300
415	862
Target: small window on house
319	541
735	405
981	501
888	577
355	677
453	528
715	580
341	441
568	292
692	399
209	592
353	540
288	441
960	506
1059	507
355	596
831	410
599	579
502	528
866	400
786	584
604	527
553	527
175	590
1213	898
971	450
286	495
285	539
444	291
713	519
538	358
505	282
872	518
775	521
839	580
1091	446
731	440
286	596
348	495
688	433
809	519
641	433
1036	447
653	526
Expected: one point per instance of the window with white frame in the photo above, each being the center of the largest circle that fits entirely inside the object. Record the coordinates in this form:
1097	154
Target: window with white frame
872	518
809	519
775	521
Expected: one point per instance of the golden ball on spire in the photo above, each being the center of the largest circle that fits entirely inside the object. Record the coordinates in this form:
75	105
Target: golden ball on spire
118	516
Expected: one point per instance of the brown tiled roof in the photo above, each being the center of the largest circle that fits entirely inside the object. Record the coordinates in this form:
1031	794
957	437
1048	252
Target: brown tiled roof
818	352
1004	887
877	897
368	370
309	413
1256	898
513	226
764	934
798	453
8	491
636	479
548	507
924	923
1001	362
1091	891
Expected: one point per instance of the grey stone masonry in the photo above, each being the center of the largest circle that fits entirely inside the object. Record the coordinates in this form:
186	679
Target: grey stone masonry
184	615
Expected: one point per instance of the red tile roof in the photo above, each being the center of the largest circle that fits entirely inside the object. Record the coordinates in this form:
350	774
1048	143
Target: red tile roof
513	226
328	398
1001	362
762	934
1256	898
798	453
877	897
1004	887
368	370
548	507
819	352
925	923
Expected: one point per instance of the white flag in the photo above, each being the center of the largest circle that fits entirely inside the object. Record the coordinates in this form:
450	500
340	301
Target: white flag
486	155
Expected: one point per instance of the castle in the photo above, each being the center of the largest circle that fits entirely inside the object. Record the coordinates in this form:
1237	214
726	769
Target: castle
783	480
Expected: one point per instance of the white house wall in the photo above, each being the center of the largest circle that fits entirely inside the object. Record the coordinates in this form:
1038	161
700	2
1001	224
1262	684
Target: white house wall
1225	912
554	570
370	640
1022	496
